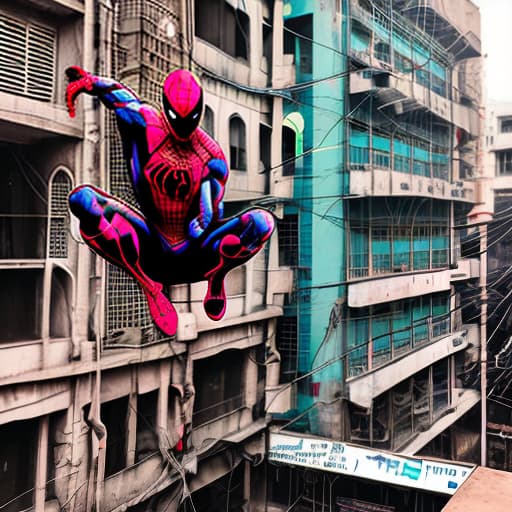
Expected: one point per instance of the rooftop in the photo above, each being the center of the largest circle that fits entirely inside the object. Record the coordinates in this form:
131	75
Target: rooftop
485	490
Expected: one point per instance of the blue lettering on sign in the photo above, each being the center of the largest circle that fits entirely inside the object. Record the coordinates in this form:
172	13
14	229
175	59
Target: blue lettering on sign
291	447
385	462
452	485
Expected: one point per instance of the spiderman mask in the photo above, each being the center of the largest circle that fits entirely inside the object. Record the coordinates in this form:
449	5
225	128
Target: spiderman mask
182	102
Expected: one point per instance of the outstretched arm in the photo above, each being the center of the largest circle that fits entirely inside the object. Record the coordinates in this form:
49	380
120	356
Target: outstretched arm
112	94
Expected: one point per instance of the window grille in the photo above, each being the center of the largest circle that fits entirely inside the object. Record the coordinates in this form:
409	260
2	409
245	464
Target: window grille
60	187
27	58
288	230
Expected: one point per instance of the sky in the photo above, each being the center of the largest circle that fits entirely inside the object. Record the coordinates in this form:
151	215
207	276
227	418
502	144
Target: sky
496	17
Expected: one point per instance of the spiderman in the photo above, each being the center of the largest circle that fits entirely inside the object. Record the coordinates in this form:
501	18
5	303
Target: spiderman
178	175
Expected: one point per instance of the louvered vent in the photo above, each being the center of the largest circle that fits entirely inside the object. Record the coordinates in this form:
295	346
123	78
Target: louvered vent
27	59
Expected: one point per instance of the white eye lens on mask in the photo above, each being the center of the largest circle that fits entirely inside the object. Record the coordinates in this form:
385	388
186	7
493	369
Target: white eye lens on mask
172	114
195	116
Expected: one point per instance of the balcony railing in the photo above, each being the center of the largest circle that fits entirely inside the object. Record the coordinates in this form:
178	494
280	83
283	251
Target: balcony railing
388	347
398	262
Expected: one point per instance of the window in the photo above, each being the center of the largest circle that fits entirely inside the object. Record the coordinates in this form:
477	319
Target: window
422	76
218	23
505	124
288	233
23	207
440	387
237	144
114	415
219	386
403	64
382	52
402	412
286	337
60	187
288	151
358	335
381	250
265	147
18	455
504	162
147	439
421	397
358	252
208	121
300	45
20	304
27	66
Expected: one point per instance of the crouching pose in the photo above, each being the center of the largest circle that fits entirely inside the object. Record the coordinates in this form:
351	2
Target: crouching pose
178	175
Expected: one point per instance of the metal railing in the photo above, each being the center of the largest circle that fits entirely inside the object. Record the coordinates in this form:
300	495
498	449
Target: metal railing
397	344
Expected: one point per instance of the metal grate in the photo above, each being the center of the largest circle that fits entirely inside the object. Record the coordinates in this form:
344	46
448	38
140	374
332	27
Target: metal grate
60	187
27	58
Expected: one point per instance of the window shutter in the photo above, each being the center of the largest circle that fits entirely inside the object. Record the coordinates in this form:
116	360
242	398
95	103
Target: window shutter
27	59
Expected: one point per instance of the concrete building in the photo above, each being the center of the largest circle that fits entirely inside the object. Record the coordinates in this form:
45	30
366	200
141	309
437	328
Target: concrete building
381	137
92	396
498	151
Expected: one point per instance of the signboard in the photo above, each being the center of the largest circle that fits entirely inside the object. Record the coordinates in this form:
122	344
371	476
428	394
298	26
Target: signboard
347	459
353	505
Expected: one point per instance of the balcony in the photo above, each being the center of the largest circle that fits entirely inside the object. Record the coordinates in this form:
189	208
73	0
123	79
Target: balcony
363	388
25	120
455	24
462	402
372	180
404	94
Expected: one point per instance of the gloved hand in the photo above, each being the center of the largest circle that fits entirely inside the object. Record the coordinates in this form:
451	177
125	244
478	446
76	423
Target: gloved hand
79	81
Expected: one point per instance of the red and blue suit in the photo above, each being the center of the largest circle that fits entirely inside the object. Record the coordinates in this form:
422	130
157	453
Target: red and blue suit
179	174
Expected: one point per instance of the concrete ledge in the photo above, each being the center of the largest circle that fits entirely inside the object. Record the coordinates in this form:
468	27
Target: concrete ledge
391	287
27	120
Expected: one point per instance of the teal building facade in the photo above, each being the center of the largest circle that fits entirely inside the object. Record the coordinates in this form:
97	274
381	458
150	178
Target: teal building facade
381	132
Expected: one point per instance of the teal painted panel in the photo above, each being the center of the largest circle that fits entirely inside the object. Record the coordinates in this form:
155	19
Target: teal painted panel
359	41
421	154
381	31
381	143
359	139
440	158
440	242
401	148
402	46
438	69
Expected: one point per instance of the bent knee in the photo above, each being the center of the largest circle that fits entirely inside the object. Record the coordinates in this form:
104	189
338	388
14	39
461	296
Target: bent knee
83	201
263	222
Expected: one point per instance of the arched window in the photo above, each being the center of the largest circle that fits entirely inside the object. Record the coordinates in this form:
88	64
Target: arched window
208	121
292	142
237	144
58	215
